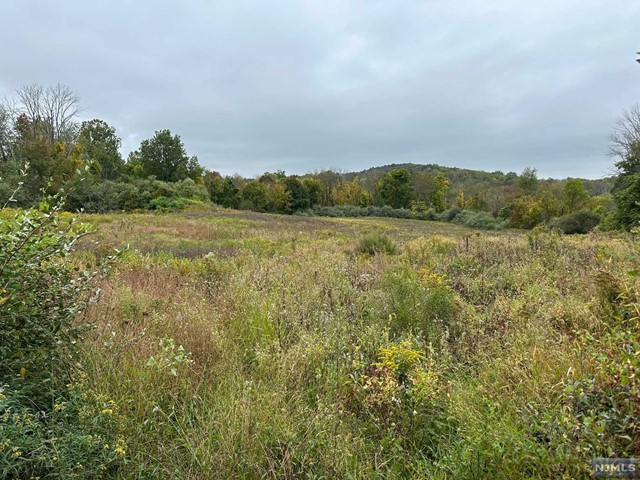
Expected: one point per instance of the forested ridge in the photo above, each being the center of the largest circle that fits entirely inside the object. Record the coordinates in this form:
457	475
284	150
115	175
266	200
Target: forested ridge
44	147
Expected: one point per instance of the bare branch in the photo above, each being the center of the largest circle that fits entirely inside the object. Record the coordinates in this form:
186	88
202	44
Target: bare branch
51	111
626	133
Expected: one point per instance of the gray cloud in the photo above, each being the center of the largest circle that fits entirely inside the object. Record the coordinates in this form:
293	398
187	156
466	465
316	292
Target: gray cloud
303	85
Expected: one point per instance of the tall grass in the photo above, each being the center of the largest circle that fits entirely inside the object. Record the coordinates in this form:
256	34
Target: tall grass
483	356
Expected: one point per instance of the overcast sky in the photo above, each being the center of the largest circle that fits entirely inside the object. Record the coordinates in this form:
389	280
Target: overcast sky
302	85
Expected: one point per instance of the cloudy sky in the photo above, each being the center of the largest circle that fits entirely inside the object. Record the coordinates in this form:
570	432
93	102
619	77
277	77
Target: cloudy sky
302	85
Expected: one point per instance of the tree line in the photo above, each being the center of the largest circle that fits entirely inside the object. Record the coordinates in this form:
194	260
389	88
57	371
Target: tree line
46	148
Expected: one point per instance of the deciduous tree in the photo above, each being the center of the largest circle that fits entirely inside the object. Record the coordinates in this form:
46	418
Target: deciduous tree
164	157
102	146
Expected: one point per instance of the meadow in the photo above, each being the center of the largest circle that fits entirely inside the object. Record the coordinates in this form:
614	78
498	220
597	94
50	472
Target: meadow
244	345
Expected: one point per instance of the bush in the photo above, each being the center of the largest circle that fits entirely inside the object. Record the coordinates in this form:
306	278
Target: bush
166	204
51	425
482	220
40	298
448	215
376	243
93	196
578	222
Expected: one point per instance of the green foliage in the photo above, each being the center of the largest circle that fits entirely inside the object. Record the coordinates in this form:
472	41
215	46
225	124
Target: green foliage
376	243
76	438
223	191
101	146
395	189
524	212
52	425
575	195
448	215
313	188
528	181
626	194
298	195
481	220
170	357
39	298
350	193
463	356
422	303
255	194
577	222
439	193
165	158
140	194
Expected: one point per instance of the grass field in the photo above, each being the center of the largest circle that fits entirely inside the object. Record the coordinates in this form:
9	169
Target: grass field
245	345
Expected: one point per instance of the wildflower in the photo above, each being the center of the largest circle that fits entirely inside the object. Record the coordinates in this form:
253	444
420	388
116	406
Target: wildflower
120	447
107	411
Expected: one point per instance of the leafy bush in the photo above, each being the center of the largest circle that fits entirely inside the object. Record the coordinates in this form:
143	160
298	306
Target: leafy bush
51	425
448	215
39	299
482	220
376	243
166	204
578	222
140	194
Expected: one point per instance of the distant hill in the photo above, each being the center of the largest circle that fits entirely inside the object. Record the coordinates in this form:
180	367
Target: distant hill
467	180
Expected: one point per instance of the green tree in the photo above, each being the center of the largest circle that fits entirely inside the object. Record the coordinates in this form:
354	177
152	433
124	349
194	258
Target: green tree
528	181
328	180
395	188
223	191
255	194
102	146
422	183
314	190
350	193
298	194
550	197
439	193
575	196
164	157
625	145
525	212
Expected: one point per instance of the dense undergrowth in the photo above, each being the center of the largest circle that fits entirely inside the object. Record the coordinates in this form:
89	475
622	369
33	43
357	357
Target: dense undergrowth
53	425
261	346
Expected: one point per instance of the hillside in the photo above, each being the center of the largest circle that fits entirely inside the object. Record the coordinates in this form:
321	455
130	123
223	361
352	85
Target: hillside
468	180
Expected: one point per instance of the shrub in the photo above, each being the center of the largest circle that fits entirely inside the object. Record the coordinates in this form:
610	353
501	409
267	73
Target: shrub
524	212
448	215
165	204
51	425
482	220
39	299
376	243
578	222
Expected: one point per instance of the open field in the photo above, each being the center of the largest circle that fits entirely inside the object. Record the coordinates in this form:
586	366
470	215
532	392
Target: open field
246	345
